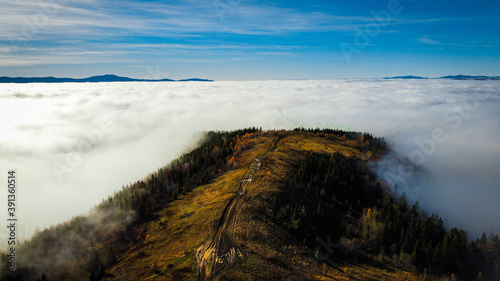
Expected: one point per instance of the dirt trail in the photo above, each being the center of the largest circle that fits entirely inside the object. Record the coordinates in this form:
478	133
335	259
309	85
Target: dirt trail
221	252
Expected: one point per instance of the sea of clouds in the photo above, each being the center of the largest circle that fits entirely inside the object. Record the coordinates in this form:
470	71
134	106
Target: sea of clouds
73	144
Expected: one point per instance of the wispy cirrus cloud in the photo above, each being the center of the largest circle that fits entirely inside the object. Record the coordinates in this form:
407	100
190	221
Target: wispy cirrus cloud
196	31
428	40
91	19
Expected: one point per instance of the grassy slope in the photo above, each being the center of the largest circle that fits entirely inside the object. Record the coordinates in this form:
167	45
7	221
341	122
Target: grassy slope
164	247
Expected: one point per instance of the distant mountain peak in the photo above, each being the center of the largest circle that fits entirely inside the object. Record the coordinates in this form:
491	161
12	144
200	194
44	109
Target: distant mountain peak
453	77
195	79
406	77
92	79
471	77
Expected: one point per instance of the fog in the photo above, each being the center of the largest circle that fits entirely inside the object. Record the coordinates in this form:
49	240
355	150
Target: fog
73	144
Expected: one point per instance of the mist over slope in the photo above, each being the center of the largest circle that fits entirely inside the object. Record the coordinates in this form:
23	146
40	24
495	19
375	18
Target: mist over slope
74	144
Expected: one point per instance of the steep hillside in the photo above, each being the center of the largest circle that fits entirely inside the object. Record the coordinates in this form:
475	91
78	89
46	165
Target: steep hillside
227	230
253	205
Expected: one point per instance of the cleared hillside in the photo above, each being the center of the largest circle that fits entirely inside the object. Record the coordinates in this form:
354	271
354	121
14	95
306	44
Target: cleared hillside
255	246
254	205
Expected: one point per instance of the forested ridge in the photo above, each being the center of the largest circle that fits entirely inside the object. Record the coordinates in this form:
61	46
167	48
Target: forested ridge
335	197
87	245
326	196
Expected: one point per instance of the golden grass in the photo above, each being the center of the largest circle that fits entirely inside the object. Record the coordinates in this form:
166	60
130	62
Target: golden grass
165	247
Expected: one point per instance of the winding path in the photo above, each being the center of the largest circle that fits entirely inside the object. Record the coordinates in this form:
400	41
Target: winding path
221	252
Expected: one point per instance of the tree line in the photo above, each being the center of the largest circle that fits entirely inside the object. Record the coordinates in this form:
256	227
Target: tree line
85	246
336	196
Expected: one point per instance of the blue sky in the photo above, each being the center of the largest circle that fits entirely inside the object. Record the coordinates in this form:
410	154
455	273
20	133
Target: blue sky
243	39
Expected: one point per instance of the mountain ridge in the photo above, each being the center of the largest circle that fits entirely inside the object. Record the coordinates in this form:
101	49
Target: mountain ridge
471	77
406	77
260	205
115	78
92	79
452	77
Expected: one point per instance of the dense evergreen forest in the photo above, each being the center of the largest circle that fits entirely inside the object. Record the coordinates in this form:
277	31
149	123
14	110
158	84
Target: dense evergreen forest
335	197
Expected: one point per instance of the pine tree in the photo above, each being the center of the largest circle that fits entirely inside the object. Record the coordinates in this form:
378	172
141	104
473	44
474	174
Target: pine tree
110	258
415	255
484	241
93	262
436	256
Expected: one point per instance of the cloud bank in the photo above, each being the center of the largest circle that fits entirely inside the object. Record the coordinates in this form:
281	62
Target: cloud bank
74	144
